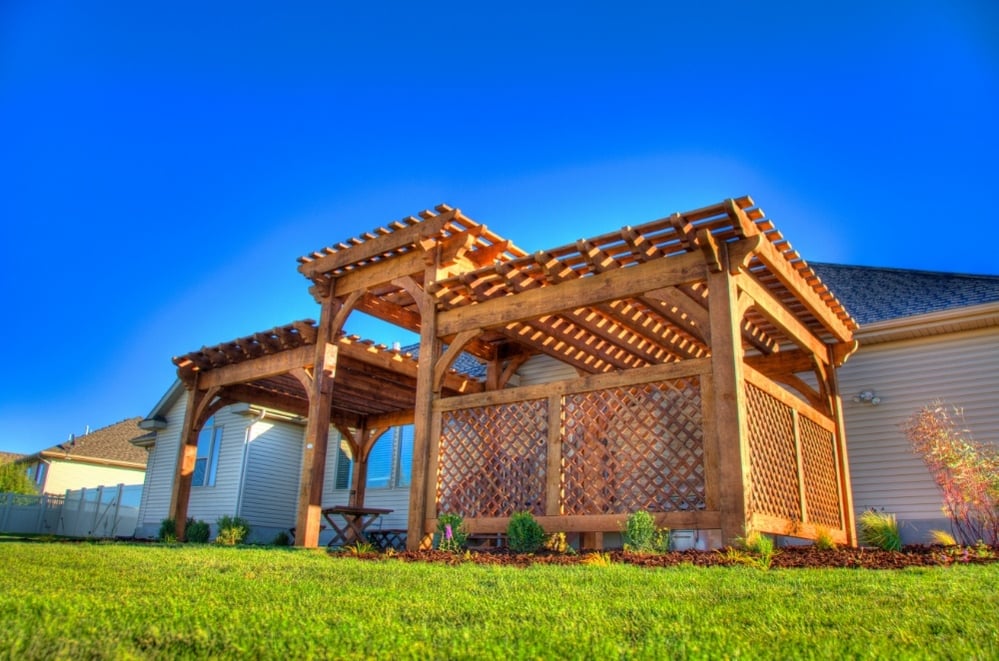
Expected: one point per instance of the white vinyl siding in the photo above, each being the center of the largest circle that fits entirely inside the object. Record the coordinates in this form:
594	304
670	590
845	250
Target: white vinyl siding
959	369
61	475
273	471
544	369
160	466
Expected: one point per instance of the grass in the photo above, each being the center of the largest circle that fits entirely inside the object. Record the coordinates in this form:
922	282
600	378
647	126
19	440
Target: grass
93	600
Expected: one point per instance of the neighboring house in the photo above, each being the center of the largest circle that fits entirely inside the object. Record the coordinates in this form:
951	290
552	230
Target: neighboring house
249	463
101	457
924	336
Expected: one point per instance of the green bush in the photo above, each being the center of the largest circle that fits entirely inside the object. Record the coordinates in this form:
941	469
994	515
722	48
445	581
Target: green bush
168	531
451	535
282	539
198	531
14	479
232	530
880	529
524	534
642	536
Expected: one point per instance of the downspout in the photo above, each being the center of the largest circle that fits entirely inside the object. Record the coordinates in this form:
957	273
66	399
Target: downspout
243	462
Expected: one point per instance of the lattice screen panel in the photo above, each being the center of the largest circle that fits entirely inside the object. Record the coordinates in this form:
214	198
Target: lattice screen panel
821	488
493	460
633	448
772	458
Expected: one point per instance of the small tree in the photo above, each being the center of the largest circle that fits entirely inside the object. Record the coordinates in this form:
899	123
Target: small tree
14	479
966	471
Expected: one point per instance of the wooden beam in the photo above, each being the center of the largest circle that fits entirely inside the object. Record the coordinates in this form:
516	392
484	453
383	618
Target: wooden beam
422	474
782	269
256	369
395	419
842	460
408	236
651	374
571	294
785	361
771	308
731	442
310	489
453	351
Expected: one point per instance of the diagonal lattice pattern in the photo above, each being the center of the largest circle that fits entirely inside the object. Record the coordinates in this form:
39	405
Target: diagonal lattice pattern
493	460
772	459
633	448
821	490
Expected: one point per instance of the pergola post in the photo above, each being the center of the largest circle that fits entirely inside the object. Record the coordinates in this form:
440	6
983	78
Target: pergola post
317	430
843	463
421	478
187	455
729	399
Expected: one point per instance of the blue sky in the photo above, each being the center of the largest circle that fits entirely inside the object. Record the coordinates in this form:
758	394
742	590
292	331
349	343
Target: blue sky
164	165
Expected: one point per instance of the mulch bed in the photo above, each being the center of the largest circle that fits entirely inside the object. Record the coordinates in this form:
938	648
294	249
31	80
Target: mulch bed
786	558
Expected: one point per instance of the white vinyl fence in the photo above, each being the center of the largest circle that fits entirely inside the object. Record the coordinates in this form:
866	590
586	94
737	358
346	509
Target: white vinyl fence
96	512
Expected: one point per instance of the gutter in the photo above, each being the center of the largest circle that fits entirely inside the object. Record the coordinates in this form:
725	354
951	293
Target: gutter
972	317
97	461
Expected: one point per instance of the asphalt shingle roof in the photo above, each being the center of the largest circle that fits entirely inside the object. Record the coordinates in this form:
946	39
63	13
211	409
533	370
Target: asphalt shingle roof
874	294
464	363
109	443
7	457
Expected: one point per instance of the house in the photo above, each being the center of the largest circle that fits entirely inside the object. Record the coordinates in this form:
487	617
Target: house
101	457
698	357
924	337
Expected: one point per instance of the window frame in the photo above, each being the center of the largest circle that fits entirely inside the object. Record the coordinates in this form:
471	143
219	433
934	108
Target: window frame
400	441
210	436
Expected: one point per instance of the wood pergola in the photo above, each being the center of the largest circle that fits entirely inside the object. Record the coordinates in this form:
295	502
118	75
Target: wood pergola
705	351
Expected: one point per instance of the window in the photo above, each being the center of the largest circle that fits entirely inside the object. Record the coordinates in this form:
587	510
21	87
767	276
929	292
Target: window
389	463
38	471
207	463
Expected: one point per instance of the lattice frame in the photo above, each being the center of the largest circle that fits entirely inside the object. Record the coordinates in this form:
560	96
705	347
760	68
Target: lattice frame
821	485
493	460
772	457
633	448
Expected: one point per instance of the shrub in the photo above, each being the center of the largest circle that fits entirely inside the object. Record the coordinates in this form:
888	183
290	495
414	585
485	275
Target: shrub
524	534
232	530
451	535
281	539
755	549
823	539
598	559
168	531
197	531
14	479
966	471
880	529
558	543
943	538
642	536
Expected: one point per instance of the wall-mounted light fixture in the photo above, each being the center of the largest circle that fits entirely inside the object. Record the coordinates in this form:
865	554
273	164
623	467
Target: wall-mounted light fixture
868	396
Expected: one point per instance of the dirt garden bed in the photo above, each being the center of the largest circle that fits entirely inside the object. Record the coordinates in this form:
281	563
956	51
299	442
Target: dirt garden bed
785	558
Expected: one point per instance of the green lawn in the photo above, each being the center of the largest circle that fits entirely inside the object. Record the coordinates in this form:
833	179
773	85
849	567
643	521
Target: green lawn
60	600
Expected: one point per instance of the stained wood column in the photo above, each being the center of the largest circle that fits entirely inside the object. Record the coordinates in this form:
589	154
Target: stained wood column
187	455
729	404
317	430
201	405
843	463
421	478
